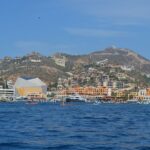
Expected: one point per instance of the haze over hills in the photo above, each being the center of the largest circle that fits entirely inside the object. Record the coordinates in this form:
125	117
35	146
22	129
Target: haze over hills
50	68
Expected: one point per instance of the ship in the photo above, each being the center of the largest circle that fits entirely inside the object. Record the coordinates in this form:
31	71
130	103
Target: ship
75	98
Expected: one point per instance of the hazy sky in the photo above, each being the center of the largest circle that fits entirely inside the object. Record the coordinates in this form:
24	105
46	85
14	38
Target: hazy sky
73	26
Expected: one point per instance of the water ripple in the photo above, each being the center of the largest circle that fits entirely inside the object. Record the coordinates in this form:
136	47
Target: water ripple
74	127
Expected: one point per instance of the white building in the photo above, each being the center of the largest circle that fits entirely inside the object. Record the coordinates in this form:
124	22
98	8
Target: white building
35	60
60	60
142	92
30	86
105	83
127	68
6	94
109	92
10	84
102	62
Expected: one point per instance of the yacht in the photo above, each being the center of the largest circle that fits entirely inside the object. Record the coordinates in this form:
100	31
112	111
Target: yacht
75	98
132	101
145	100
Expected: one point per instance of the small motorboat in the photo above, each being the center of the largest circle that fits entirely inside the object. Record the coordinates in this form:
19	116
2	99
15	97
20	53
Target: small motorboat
33	102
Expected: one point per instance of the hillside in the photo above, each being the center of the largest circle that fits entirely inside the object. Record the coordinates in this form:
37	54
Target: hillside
47	69
121	56
116	56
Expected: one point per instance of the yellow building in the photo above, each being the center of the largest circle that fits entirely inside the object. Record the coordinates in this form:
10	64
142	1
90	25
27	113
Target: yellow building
120	94
133	94
30	88
148	91
88	90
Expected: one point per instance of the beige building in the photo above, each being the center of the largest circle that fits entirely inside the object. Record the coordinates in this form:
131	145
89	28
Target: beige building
30	88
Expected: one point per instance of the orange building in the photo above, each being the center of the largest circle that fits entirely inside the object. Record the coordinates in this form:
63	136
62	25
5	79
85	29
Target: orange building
88	90
30	87
148	91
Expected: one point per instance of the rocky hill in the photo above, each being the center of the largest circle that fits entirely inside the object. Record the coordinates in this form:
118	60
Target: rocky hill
122	56
116	56
50	68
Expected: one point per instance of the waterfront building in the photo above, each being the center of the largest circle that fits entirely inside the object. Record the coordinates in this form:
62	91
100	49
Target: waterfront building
30	88
144	95
88	90
142	92
133	94
6	94
120	94
10	84
148	91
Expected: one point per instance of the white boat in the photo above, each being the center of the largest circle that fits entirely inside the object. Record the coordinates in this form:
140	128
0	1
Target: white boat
75	98
145	100
132	101
96	103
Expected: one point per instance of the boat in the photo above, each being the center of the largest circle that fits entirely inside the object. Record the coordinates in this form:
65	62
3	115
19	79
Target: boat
75	98
145	100
132	101
32	101
142	100
96	103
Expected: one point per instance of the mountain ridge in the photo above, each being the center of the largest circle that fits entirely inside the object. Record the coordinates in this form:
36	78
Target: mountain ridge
46	68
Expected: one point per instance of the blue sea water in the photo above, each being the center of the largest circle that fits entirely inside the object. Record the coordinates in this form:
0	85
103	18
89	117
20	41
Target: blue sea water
74	126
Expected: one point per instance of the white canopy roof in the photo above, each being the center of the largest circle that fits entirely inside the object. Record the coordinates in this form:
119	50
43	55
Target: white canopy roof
34	82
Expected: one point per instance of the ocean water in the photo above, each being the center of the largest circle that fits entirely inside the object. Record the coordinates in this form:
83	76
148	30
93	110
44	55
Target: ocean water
74	126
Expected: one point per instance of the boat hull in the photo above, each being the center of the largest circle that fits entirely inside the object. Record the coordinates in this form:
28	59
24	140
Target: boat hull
74	100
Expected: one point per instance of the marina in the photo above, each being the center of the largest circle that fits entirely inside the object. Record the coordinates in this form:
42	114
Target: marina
74	75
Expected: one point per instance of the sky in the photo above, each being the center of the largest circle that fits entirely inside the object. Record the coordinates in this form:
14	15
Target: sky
73	26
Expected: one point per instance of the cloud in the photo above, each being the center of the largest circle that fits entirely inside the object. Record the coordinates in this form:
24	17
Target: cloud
88	32
121	9
128	12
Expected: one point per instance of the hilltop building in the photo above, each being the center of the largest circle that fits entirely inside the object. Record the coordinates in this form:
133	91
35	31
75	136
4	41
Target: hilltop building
30	88
127	68
35	60
60	60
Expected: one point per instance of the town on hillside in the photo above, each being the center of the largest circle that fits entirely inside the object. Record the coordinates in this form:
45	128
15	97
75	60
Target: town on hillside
56	77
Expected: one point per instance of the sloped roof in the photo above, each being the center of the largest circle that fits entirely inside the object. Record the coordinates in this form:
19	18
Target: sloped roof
33	82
